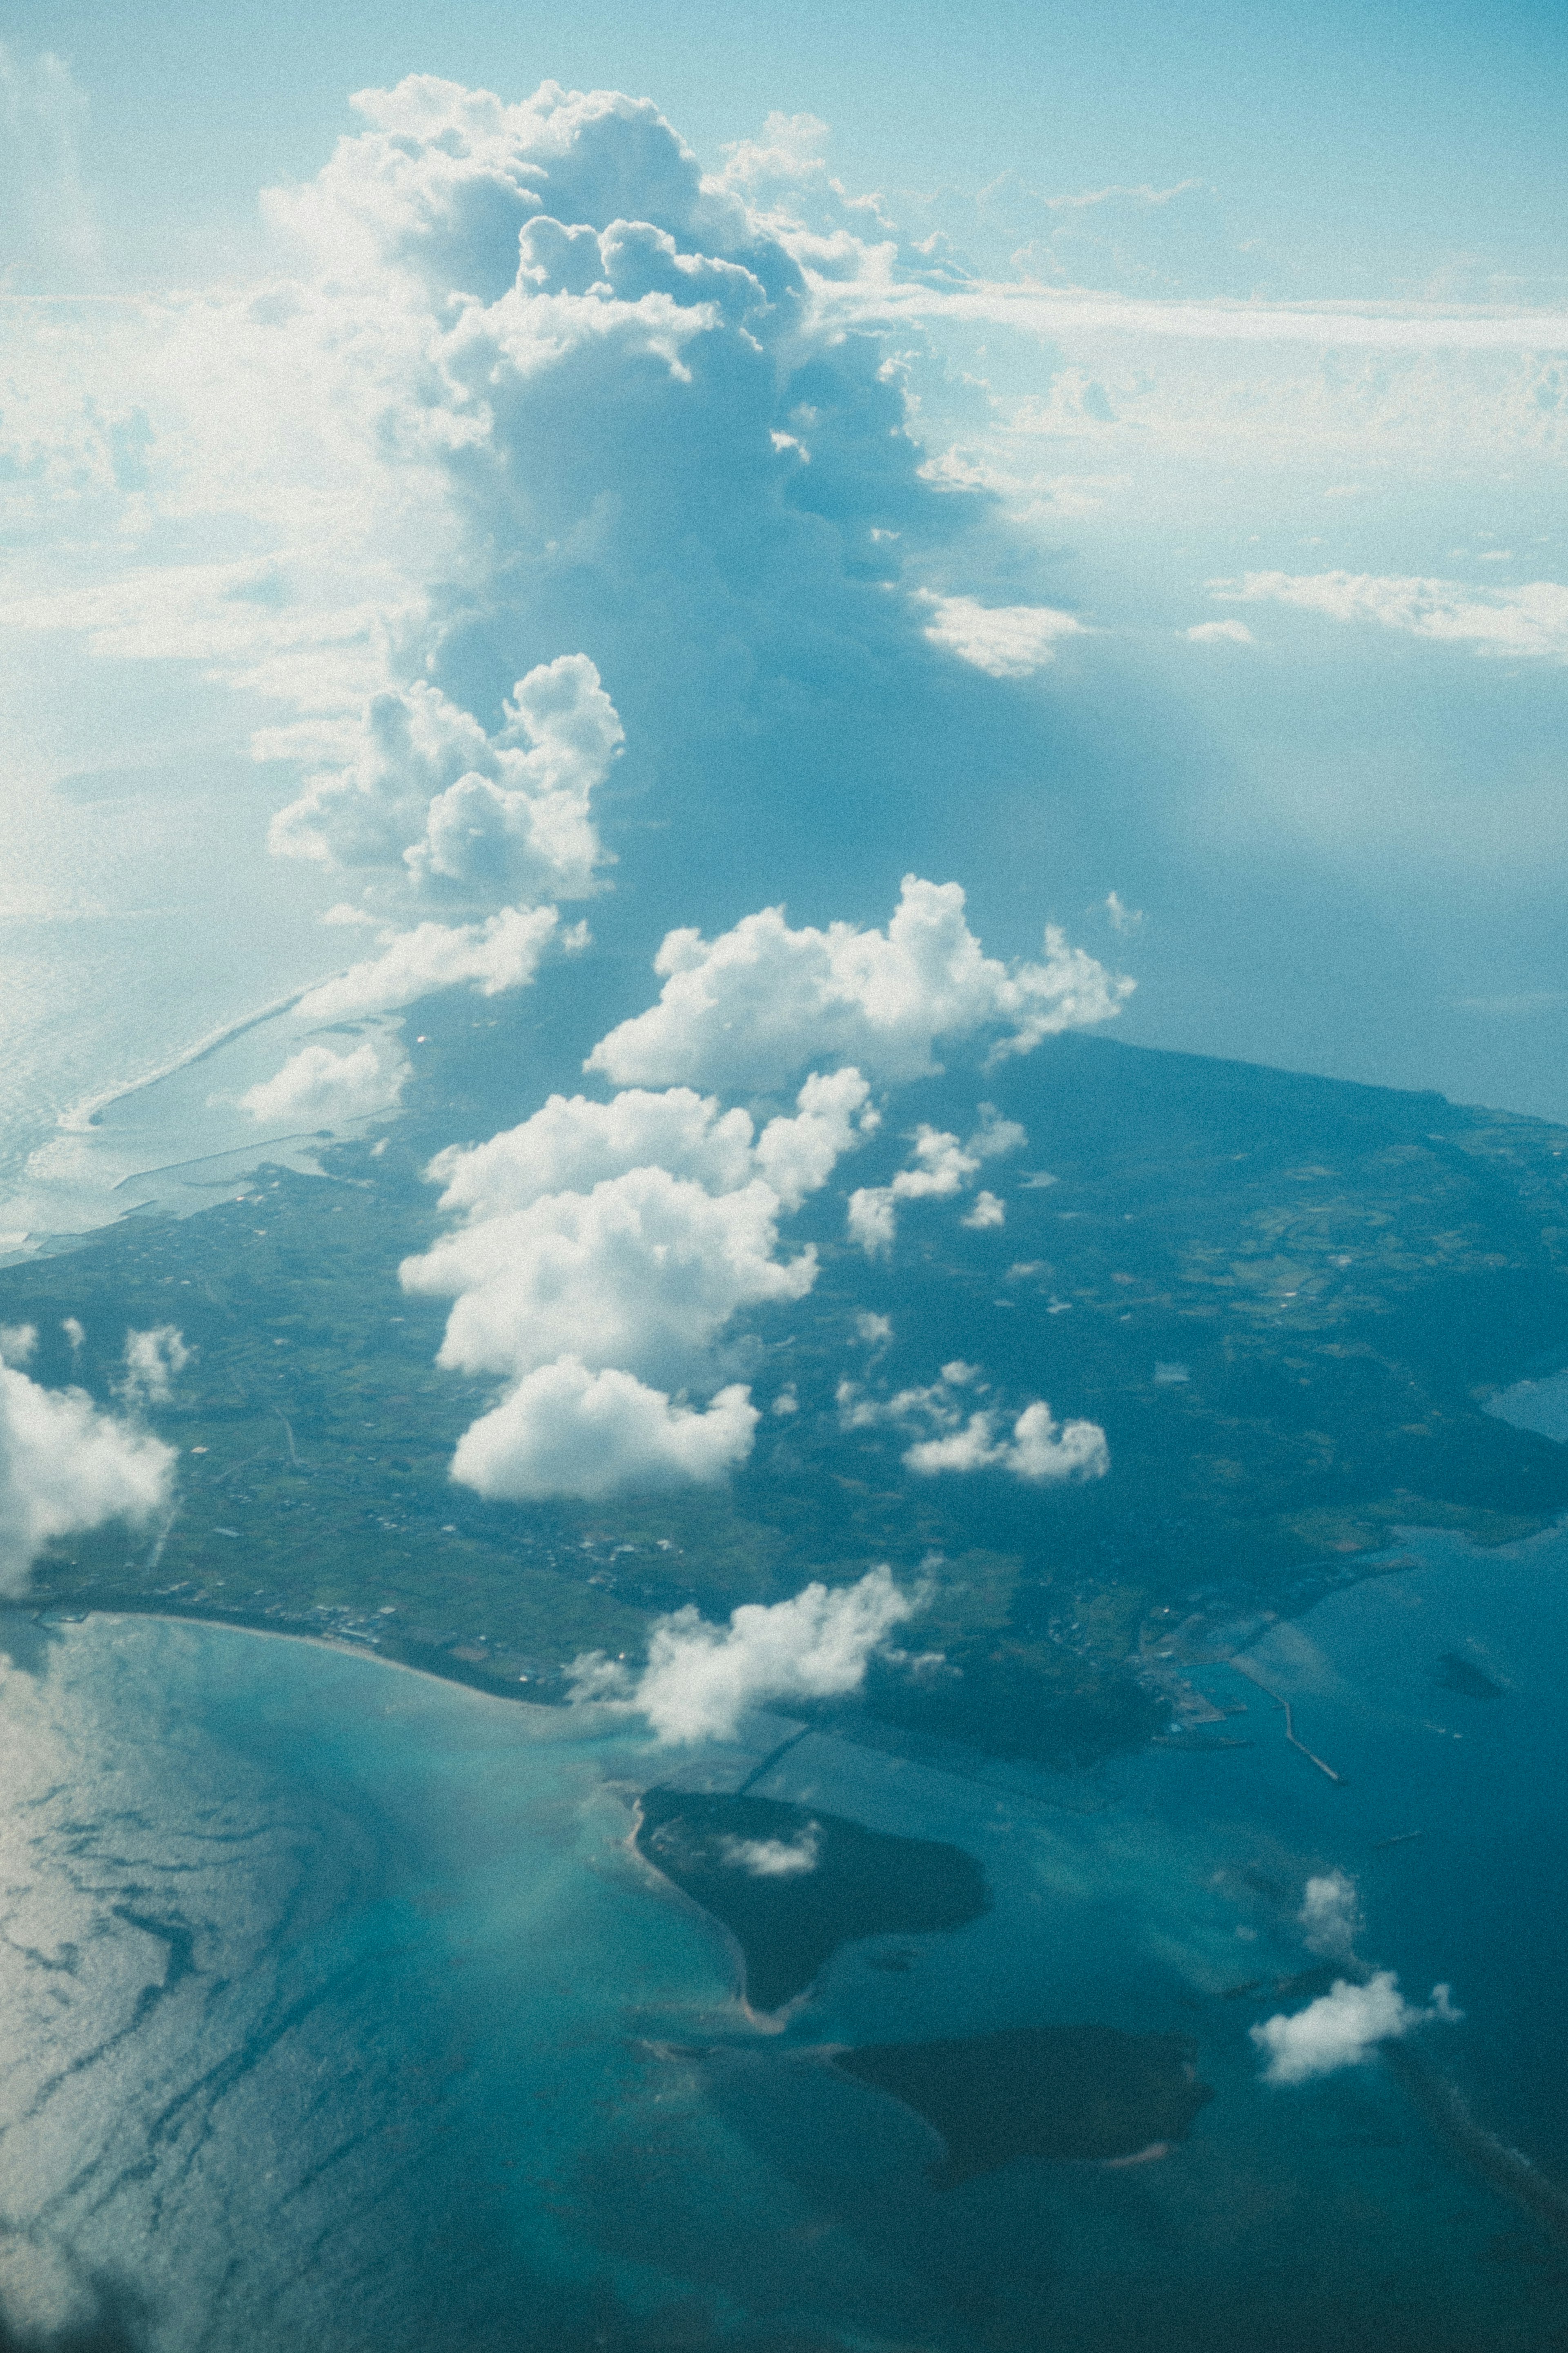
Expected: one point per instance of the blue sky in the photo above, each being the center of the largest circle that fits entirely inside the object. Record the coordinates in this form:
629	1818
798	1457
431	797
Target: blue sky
1233	343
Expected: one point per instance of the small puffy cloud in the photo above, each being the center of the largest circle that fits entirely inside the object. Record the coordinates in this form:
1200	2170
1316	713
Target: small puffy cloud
153	1360
461	815
701	1679
962	1438
1004	640
1220	633
1528	622
17	1342
873	1331
504	952
572	1144
774	1858
1343	2028
1330	1914
643	1272
988	1210
748	1009
317	1088
940	1168
65	1465
74	1334
565	1431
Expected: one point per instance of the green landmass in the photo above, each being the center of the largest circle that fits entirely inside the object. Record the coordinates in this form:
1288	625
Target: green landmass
793	1886
1089	2093
1285	1299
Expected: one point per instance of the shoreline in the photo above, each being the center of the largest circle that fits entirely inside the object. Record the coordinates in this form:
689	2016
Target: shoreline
46	1614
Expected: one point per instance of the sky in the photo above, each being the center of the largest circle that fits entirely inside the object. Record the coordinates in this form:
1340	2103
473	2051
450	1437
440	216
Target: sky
1149	515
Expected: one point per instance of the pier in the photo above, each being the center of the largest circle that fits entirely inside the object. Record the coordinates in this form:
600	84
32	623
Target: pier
1253	1676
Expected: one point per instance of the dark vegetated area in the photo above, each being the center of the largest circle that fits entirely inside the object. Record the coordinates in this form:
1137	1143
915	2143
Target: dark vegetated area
1329	1279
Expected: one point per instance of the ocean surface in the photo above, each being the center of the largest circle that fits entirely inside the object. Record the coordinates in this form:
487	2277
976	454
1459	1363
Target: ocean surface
140	920
337	2011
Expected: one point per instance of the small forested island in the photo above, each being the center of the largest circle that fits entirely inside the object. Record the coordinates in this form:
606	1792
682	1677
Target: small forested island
1090	2093
792	1885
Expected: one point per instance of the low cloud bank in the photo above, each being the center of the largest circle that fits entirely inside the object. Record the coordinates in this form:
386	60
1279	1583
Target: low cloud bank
1343	2027
700	1678
747	1010
66	1465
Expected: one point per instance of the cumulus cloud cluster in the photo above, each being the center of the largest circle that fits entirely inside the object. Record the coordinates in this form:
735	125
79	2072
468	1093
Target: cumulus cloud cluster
1343	2027
461	816
604	1247
748	1009
701	1679
66	1465
961	1436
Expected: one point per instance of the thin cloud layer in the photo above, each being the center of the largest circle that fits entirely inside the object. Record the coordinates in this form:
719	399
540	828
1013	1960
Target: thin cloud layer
747	1010
1528	623
701	1679
66	1465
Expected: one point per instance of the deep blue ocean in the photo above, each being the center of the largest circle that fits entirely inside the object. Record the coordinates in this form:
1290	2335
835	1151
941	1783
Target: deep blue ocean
338	2013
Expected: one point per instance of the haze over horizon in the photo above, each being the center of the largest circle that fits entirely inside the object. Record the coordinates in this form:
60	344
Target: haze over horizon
1133	491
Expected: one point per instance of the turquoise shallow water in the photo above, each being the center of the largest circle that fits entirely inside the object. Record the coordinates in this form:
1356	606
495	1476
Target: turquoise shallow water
337	2013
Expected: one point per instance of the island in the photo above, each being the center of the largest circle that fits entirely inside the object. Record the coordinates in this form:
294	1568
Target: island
793	1885
1090	2093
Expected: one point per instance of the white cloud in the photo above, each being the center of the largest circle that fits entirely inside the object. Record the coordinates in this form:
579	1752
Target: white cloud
572	1144
701	1679
605	1248
1122	918
503	952
774	1858
462	815
988	1210
1343	2028
1038	1449
642	1271
46	213
1220	633
317	1088
1526	623
1004	640
563	1430
942	1167
746	1011
17	1342
1330	1914
67	1466
153	1360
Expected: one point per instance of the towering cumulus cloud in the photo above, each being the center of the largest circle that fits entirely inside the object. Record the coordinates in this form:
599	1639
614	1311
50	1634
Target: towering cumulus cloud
66	1466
